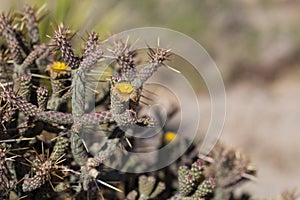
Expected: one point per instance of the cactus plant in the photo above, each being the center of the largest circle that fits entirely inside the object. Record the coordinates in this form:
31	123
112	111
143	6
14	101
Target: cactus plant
45	110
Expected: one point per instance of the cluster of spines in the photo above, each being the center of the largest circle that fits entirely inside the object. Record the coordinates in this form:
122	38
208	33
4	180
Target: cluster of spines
65	47
91	44
38	52
157	58
124	104
42	166
125	55
42	174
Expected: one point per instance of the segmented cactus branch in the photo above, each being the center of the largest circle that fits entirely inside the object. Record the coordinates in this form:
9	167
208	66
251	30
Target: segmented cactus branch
40	52
31	23
10	36
192	182
66	50
91	44
42	97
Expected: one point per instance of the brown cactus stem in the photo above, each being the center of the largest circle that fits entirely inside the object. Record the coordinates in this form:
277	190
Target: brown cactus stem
97	118
27	108
55	117
91	44
42	97
11	38
65	48
31	23
34	55
156	59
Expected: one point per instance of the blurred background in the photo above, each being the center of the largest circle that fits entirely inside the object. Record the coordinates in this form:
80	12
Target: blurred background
255	44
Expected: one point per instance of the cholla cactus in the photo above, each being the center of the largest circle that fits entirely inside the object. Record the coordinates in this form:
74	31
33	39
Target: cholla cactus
69	80
193	184
56	112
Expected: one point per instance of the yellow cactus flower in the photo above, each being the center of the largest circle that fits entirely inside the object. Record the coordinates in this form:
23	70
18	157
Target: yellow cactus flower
125	88
169	136
59	66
